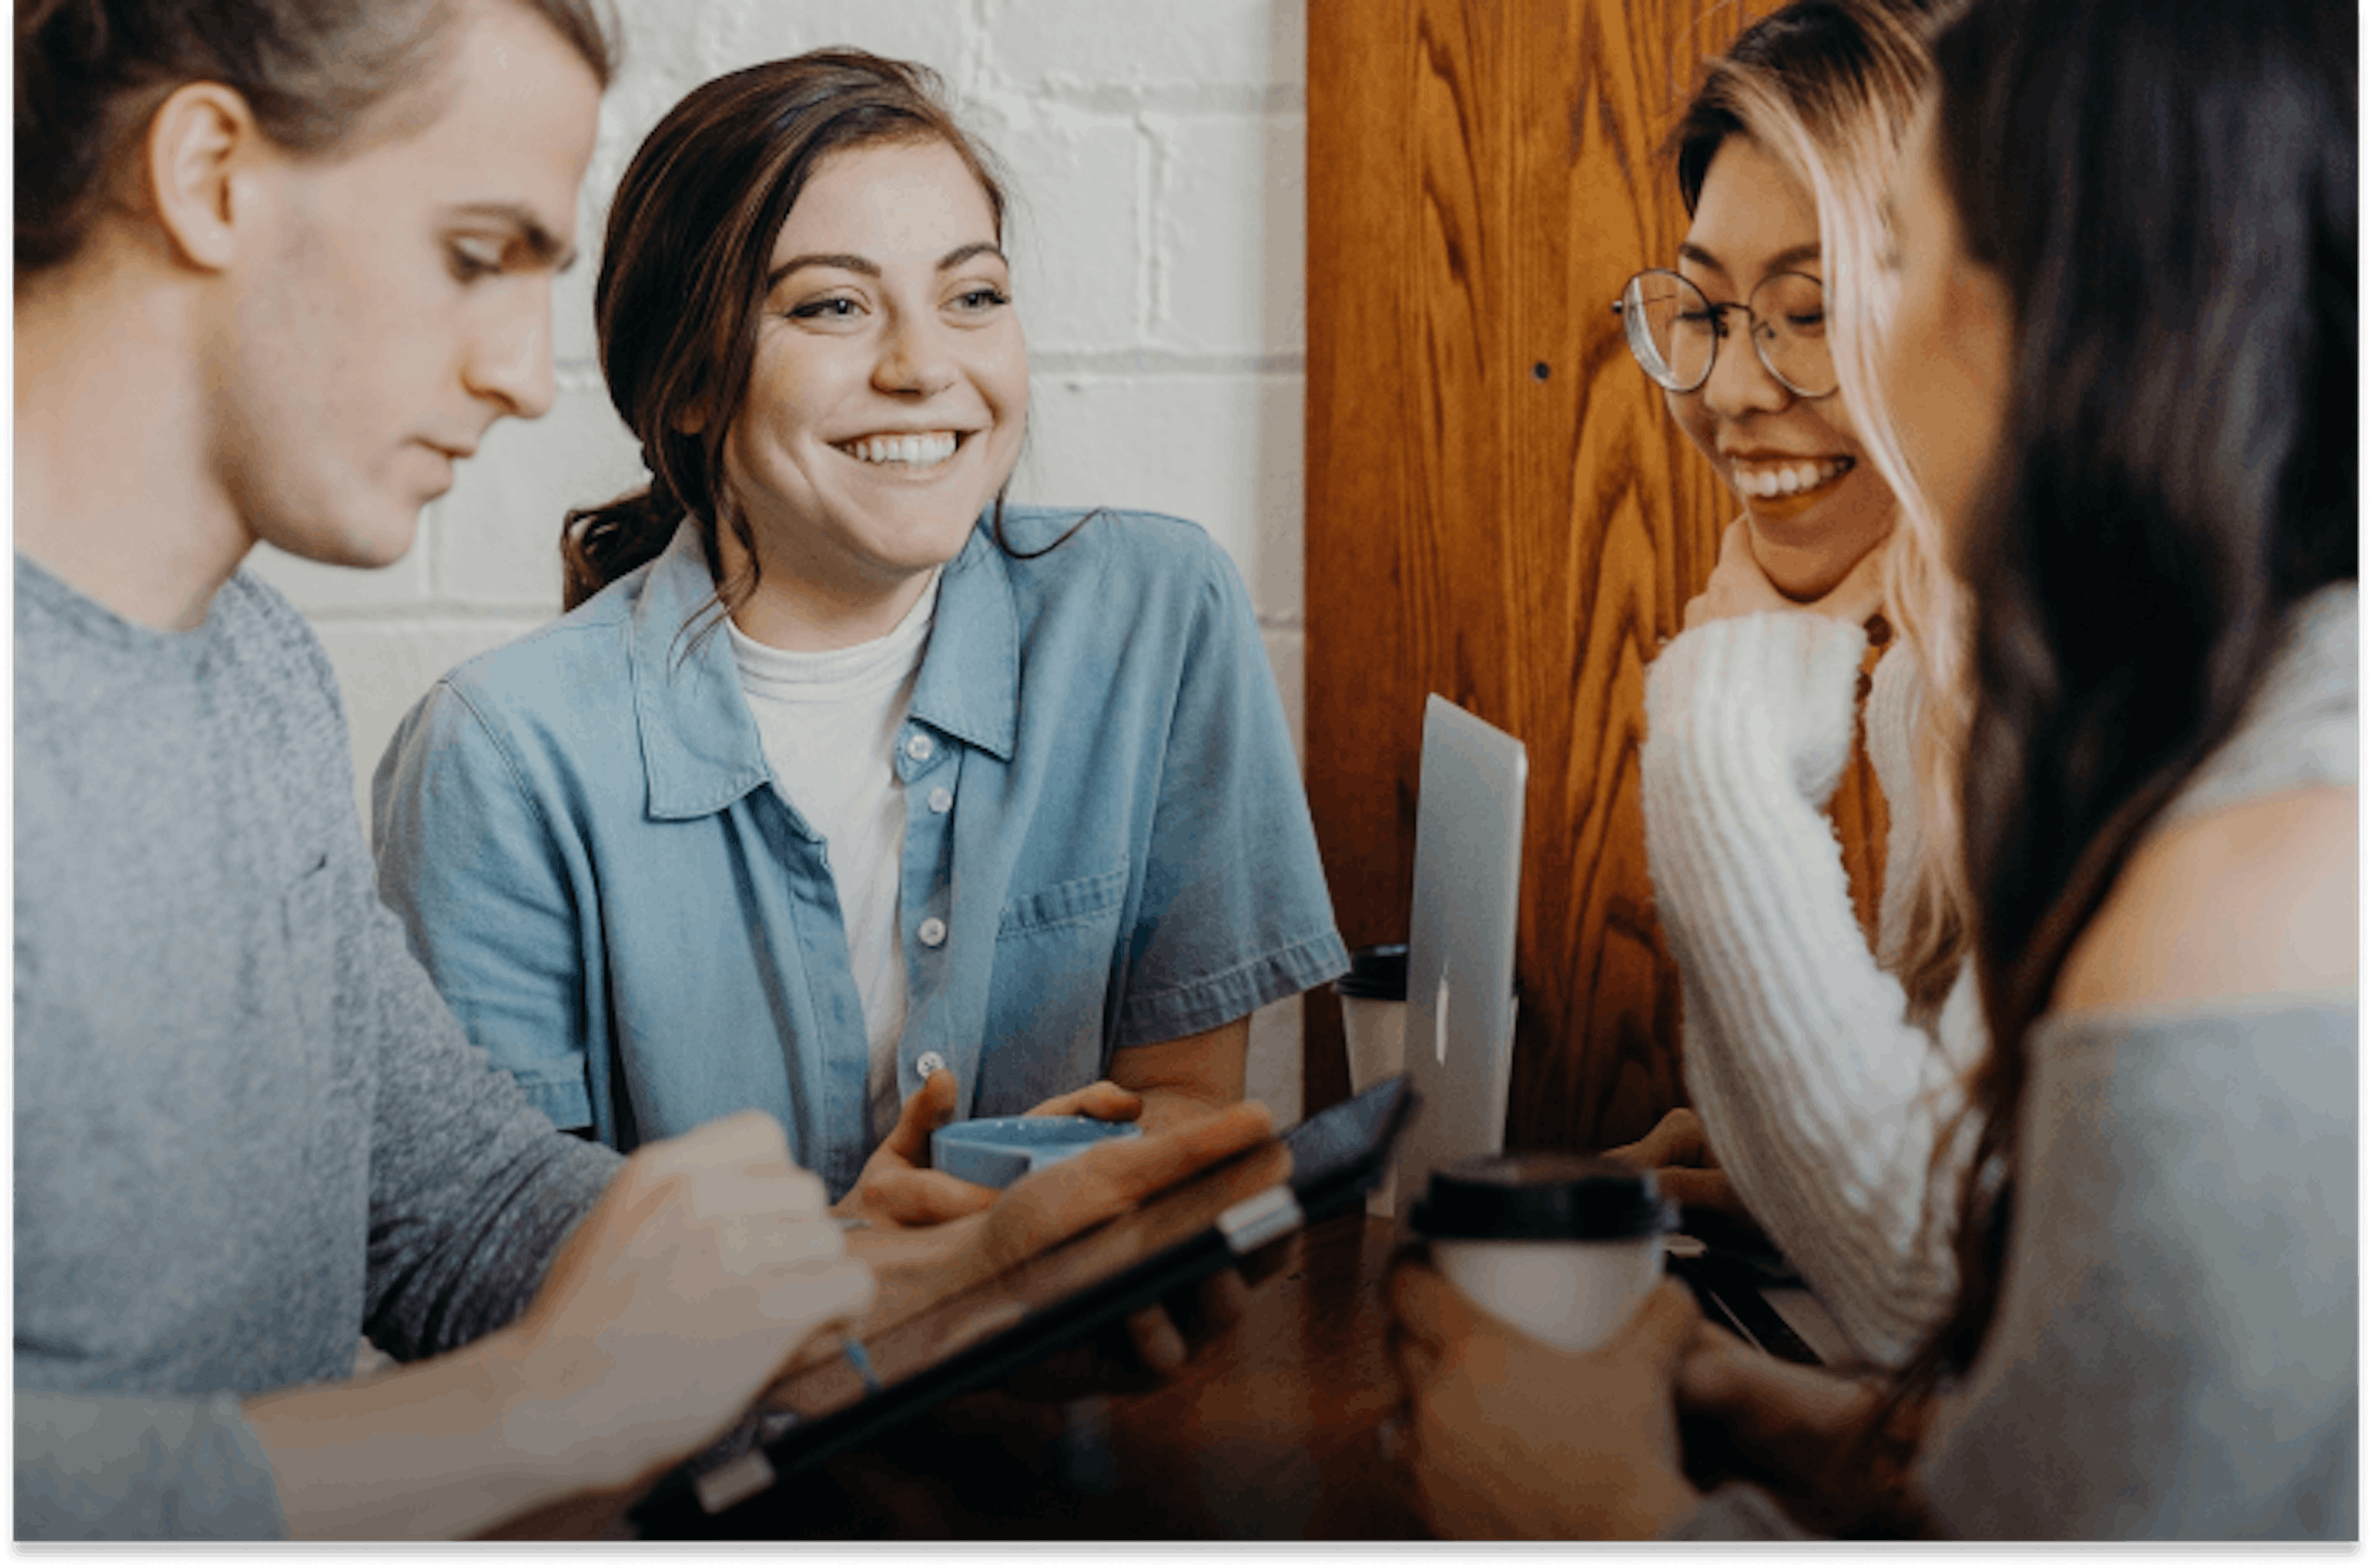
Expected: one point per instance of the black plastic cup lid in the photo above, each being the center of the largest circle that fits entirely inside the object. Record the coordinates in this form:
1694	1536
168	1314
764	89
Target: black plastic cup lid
1378	975
1542	1197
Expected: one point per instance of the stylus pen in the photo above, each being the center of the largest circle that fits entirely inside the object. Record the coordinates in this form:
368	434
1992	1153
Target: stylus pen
853	1349
723	1481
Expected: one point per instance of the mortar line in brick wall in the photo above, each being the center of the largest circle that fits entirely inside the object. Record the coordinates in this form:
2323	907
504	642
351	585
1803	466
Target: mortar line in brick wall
1187	101
585	376
1163	362
1149	302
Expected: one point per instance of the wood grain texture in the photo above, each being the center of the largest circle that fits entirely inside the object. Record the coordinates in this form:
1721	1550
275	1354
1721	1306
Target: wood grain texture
1498	507
1406	440
1269	1433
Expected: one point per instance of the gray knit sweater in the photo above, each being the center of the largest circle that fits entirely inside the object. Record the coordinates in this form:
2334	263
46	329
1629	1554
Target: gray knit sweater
2174	1355
247	1127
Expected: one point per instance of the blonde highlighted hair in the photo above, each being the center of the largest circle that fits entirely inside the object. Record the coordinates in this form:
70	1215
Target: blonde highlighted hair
1830	89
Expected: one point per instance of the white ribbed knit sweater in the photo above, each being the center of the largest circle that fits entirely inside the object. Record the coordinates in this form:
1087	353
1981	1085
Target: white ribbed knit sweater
1819	1097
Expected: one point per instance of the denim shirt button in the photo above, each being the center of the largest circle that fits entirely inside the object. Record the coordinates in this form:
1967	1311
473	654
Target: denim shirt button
942	800
930	1061
933	931
918	746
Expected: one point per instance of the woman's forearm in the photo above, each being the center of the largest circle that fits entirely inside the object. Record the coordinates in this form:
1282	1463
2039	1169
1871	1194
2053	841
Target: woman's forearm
1189	1076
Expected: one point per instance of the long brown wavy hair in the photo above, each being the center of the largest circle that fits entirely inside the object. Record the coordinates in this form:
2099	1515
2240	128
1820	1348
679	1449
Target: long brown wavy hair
683	282
2177	466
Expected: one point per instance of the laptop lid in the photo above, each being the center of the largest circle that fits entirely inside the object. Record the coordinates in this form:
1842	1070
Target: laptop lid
1461	1013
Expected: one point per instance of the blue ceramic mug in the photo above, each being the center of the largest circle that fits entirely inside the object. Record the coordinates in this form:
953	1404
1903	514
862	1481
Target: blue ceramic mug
996	1151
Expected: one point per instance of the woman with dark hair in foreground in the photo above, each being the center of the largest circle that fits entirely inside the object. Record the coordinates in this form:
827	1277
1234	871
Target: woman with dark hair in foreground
2123	362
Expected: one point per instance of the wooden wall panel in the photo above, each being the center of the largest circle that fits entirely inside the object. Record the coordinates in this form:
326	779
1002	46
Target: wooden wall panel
1498	507
1411	201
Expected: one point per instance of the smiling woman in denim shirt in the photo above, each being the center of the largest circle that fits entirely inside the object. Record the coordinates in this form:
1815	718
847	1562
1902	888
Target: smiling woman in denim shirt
844	790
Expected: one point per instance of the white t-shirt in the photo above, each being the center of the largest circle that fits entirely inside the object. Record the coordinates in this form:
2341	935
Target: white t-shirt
829	725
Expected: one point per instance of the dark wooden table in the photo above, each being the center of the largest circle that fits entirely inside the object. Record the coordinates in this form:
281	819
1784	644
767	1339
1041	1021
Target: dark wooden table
1268	1433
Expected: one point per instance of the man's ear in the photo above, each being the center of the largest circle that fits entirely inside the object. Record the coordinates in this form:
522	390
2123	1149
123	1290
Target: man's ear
201	147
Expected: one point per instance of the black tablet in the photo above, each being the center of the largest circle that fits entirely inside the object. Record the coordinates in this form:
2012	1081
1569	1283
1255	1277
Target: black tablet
1729	1285
1017	1317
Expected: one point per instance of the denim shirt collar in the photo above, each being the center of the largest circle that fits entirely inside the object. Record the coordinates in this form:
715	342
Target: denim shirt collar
701	750
970	683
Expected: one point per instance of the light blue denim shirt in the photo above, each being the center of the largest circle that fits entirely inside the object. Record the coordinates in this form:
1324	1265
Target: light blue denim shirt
1107	845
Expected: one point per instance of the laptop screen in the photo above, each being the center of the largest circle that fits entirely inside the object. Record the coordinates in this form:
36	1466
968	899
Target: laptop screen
1461	1026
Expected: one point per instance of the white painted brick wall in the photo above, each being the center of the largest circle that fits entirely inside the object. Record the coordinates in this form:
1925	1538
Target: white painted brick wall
1154	154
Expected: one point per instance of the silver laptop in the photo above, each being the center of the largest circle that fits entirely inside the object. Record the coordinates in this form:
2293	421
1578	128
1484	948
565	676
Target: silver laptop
1462	1006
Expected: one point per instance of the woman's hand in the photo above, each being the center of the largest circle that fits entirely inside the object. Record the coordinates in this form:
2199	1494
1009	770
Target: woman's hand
1103	1099
1513	1440
1055	1203
1740	586
1684	1164
1113	1176
1804	1427
897	1187
919	1266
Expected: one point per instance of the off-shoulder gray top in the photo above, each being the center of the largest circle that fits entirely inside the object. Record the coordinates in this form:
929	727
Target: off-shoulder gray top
2175	1354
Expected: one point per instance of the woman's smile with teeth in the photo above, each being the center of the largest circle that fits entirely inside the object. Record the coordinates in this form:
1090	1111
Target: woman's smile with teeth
916	451
1768	480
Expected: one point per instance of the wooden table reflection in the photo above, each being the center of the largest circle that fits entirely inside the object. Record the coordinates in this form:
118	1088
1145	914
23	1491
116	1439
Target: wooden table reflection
1268	1434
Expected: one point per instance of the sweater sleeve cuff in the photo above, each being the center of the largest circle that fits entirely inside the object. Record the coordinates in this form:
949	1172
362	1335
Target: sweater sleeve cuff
1781	683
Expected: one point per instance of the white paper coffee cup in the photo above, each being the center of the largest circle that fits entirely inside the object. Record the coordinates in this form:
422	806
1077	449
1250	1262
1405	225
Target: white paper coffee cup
1558	1246
1374	1014
1374	1031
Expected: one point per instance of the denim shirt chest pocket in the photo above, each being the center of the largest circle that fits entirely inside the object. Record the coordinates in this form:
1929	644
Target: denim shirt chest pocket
1056	964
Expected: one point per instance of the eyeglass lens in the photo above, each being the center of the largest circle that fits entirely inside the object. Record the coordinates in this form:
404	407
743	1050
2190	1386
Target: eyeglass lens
1674	331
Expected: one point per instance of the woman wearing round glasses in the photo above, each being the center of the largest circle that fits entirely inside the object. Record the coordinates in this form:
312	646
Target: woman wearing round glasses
1820	1072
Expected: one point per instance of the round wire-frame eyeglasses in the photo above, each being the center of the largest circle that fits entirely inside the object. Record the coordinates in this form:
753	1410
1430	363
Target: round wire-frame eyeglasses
1675	332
